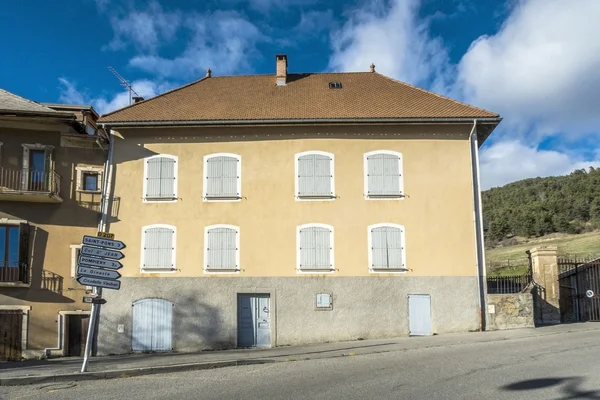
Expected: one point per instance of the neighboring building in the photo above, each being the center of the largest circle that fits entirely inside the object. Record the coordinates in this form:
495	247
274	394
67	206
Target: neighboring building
51	171
272	210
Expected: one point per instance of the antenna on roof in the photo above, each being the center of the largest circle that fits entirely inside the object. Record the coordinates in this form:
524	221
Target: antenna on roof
125	83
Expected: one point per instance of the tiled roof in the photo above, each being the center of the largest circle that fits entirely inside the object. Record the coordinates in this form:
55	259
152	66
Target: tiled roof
10	102
364	95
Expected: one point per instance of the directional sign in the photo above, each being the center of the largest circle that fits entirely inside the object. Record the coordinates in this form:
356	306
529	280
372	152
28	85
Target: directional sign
103	283
98	252
99	262
97	272
101	242
589	293
94	300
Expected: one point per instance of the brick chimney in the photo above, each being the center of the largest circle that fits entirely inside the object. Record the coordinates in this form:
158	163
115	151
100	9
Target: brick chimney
281	69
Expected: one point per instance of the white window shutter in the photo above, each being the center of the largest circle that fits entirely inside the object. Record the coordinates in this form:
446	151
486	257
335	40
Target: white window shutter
386	247
315	248
160	178
314	175
383	175
222	177
158	248
221	248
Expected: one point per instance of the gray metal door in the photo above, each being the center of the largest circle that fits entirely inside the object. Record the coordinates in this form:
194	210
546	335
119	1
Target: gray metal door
254	320
152	325
419	314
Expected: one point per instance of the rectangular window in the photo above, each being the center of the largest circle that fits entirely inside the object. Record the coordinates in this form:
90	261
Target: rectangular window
315	247
222	246
14	253
158	248
222	177
314	174
383	170
161	178
387	247
90	181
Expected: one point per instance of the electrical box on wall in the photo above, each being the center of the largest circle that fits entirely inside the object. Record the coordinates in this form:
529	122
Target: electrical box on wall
324	302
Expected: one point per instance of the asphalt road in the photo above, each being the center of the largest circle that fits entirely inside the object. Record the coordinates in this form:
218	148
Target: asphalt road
562	366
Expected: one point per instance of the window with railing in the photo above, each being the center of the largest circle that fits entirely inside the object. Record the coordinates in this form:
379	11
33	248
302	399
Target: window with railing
14	253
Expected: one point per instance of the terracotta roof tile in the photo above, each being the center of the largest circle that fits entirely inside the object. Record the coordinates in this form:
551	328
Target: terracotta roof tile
364	95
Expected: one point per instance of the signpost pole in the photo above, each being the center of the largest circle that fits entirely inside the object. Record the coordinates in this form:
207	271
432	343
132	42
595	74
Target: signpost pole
90	335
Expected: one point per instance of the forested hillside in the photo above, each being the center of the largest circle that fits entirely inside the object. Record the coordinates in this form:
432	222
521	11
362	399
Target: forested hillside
539	206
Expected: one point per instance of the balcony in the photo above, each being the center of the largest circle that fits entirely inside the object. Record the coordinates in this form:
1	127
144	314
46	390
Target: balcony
29	185
16	275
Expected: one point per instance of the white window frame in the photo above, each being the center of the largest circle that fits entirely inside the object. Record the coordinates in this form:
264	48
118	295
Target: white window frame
173	255
370	251
331	269
89	169
297	183
204	178
175	173
237	253
366	173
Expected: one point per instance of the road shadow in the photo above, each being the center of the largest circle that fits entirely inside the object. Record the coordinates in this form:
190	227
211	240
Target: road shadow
568	387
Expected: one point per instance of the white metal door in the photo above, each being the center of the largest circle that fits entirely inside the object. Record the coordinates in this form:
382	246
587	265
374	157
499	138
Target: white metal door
254	320
419	314
152	325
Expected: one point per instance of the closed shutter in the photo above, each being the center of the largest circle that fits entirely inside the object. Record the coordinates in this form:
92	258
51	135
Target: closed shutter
314	175
222	177
315	248
383	175
158	248
221	248
386	242
160	178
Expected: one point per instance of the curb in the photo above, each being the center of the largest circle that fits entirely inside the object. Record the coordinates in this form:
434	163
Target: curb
127	373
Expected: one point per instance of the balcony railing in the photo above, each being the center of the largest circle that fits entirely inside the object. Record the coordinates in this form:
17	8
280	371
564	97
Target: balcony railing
14	273
27	180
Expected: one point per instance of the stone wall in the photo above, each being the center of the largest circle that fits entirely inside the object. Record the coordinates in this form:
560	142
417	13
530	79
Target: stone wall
510	311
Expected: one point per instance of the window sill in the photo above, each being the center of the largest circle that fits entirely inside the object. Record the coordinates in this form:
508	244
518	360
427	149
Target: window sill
222	198
89	191
391	270
159	199
15	284
221	271
384	196
315	270
316	197
158	270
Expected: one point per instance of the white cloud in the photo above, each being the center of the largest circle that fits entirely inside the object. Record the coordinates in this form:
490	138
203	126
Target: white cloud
224	41
146	29
511	160
541	68
70	93
395	40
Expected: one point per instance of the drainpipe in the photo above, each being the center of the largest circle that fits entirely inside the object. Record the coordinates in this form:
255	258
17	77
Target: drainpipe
478	225
104	207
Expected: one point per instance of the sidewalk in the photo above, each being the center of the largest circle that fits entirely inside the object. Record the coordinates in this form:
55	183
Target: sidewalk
67	369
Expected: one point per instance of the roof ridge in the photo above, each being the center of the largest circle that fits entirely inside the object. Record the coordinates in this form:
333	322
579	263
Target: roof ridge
155	97
435	94
28	100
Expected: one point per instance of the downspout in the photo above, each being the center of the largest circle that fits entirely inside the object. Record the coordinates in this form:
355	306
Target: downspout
104	207
478	225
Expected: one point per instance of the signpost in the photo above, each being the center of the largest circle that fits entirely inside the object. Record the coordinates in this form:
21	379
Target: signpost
97	266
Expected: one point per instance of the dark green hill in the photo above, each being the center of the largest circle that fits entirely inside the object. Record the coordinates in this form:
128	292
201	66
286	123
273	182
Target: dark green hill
539	206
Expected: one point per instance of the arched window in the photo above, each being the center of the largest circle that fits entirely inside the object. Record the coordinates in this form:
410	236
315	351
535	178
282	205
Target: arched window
158	248
160	178
315	247
383	175
386	247
222	248
222	177
314	175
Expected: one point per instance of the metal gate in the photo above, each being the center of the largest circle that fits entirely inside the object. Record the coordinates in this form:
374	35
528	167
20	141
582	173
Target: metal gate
419	314
577	281
11	326
254	320
152	325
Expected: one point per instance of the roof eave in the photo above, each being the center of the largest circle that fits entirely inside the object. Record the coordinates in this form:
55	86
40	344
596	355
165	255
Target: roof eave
54	114
122	124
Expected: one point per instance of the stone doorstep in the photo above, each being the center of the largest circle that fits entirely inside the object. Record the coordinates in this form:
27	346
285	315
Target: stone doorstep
127	373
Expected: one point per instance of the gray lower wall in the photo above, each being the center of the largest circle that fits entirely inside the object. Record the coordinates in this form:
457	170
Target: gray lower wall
510	311
205	309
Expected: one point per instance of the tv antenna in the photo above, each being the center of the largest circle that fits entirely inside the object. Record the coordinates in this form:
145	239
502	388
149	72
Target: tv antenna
125	83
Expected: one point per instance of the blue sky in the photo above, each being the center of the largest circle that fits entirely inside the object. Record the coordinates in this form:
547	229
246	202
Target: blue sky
536	62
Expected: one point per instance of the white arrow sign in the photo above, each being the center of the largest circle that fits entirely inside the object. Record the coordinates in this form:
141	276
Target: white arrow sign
97	272
103	283
102	242
98	252
99	262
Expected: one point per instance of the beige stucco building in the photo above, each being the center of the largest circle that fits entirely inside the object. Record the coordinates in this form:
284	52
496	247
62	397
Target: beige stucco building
283	209
51	166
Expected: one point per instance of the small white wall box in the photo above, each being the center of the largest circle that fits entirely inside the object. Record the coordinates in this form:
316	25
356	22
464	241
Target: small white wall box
492	308
324	301
120	328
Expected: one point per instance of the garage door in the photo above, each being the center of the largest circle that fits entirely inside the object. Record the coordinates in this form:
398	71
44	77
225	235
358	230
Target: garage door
152	325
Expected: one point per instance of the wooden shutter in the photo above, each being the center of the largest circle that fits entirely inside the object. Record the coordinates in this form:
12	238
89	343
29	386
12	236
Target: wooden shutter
222	177
383	175
160	178
158	248
314	175
315	248
386	247
221	250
